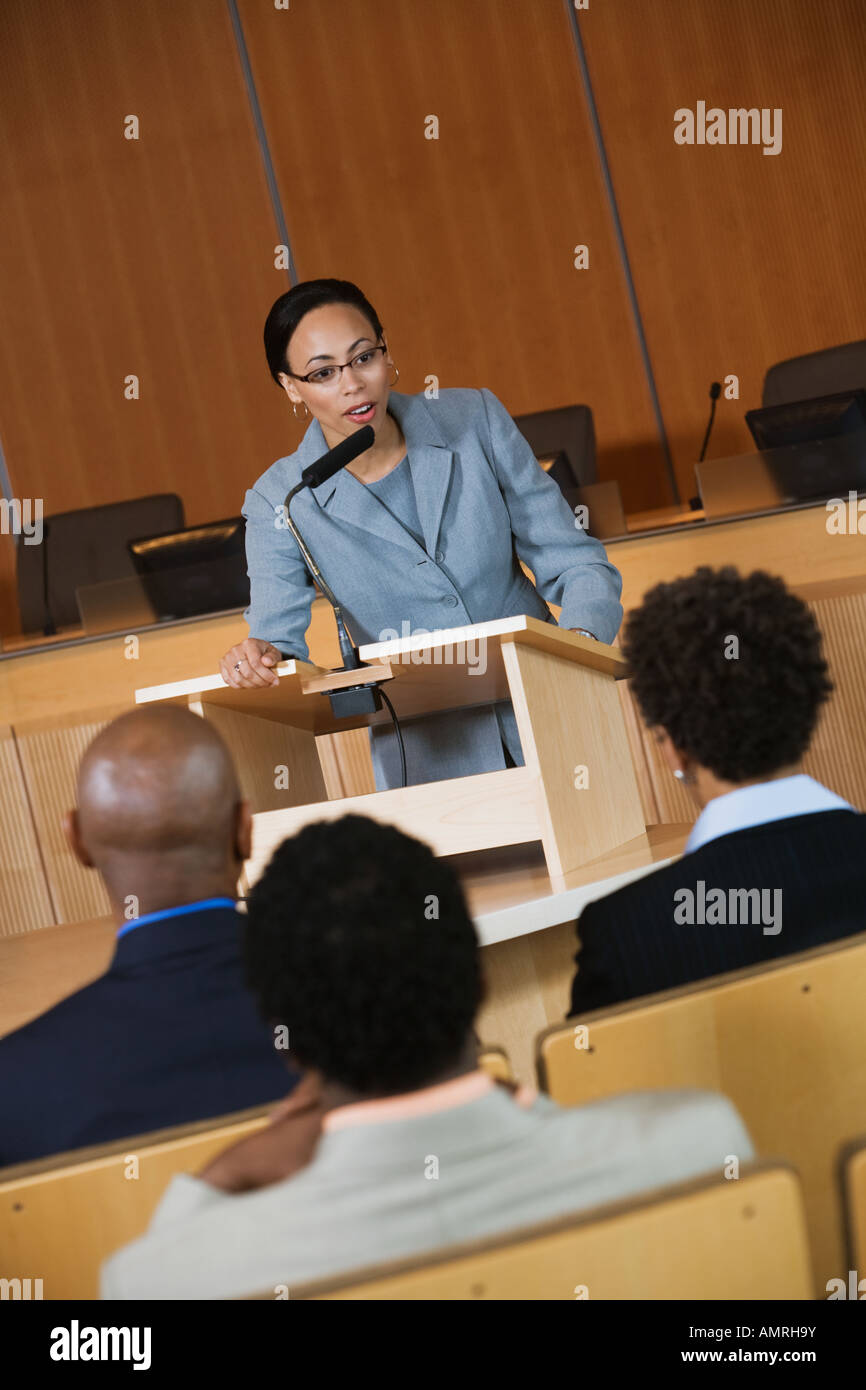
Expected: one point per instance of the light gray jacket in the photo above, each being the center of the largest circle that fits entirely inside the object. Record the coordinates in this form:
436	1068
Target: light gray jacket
483	503
398	1188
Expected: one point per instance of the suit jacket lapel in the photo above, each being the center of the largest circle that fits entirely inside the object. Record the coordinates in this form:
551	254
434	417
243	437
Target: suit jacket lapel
430	464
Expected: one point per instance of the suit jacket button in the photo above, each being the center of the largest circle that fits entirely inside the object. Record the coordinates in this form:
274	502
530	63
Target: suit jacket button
440	555
450	601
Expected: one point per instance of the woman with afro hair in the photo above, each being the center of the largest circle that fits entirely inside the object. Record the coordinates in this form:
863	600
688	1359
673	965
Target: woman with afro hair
728	674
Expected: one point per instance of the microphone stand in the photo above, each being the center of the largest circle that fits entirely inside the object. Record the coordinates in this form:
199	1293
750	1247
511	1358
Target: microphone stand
715	392
354	699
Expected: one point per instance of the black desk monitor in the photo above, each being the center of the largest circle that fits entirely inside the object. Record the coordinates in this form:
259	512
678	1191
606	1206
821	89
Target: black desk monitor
199	570
830	432
803	422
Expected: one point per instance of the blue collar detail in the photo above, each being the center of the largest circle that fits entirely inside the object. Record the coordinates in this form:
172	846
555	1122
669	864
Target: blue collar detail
202	906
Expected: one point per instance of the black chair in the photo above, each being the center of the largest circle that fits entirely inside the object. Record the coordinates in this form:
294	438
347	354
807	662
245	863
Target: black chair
823	373
568	429
88	546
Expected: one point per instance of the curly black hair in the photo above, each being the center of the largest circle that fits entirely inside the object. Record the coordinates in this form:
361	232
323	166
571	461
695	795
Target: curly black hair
742	708
359	941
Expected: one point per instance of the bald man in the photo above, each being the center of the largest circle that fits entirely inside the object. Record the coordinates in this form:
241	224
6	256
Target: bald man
169	1034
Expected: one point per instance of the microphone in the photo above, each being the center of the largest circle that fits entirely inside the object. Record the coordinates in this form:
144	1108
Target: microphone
356	699
715	392
337	458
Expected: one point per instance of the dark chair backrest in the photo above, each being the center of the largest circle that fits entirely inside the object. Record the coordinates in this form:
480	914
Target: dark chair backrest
823	373
568	428
87	546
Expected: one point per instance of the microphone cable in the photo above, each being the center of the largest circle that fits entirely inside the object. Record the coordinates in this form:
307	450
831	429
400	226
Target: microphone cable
399	732
715	392
313	476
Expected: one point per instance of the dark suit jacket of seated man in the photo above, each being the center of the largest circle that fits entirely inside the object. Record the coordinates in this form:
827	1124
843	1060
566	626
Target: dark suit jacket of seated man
666	929
169	1034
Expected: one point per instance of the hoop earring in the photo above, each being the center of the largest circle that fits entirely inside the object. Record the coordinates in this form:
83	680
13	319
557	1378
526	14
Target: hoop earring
397	377
295	410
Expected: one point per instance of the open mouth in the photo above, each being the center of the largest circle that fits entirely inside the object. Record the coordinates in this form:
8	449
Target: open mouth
363	413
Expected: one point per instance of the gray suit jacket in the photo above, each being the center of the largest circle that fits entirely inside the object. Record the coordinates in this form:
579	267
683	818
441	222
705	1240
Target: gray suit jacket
395	1189
483	501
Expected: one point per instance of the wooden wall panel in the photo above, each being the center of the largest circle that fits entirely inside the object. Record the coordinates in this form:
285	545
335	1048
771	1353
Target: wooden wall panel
665	801
25	900
837	756
50	755
463	244
740	259
793	544
156	256
152	257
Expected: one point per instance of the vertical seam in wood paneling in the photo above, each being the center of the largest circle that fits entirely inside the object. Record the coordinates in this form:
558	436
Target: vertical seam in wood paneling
261	136
619	237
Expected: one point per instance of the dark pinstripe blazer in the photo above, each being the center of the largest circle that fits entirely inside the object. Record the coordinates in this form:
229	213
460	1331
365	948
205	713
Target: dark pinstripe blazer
631	943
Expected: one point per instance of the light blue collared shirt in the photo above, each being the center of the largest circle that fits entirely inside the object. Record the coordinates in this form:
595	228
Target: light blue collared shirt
766	801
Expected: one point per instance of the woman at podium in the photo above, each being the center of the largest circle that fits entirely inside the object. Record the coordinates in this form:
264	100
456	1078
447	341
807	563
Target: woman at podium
424	530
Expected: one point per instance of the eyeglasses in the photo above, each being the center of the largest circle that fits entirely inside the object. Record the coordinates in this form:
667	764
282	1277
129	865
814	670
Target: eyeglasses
365	361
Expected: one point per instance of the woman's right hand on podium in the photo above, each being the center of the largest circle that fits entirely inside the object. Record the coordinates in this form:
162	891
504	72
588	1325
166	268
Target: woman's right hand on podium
251	664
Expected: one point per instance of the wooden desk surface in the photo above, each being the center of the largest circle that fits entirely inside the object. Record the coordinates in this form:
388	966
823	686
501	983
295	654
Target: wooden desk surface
26	641
794	544
103	672
675	515
39	968
510	893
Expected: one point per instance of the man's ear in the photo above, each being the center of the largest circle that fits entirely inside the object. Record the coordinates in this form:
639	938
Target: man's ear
72	834
243	831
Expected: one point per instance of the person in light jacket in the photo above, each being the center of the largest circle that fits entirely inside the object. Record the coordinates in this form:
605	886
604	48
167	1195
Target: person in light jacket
423	531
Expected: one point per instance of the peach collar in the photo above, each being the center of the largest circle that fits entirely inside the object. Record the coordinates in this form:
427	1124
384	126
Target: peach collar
443	1096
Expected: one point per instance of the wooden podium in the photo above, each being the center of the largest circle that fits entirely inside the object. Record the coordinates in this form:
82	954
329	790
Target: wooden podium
577	792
